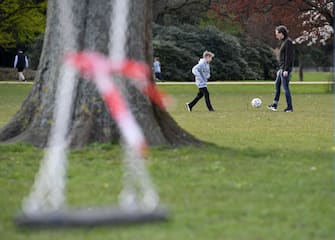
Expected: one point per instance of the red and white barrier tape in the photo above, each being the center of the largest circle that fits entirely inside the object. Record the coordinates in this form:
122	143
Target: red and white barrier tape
101	69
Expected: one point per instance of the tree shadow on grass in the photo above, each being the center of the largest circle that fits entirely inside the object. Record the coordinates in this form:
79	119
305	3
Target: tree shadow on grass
210	151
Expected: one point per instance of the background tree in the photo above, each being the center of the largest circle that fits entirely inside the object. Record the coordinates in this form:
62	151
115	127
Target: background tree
90	120
317	22
21	23
309	21
173	12
259	16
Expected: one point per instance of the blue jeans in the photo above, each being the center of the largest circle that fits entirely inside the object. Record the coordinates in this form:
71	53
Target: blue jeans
285	81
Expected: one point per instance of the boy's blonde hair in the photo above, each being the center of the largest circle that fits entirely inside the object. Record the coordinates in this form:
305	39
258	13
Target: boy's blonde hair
208	53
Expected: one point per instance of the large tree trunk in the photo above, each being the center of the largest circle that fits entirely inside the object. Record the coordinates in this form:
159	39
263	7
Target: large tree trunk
91	121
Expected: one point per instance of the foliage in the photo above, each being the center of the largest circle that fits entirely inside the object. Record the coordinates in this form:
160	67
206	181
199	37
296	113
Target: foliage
321	56
10	74
260	59
34	52
173	12
22	22
317	22
265	176
212	18
180	48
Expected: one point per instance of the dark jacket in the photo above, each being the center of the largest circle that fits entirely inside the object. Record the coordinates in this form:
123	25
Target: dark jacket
21	60
286	55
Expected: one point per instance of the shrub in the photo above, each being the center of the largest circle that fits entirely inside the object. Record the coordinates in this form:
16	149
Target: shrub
10	74
180	48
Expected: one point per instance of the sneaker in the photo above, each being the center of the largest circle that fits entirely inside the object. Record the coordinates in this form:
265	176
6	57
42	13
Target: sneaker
272	107
188	108
288	110
211	110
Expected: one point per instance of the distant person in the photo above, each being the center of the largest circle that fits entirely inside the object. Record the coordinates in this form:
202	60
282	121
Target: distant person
20	63
286	57
202	73
157	69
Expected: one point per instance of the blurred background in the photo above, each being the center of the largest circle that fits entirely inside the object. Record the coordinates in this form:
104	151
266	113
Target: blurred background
239	32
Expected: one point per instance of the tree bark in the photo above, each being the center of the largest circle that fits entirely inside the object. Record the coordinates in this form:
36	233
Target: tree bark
300	55
301	71
91	121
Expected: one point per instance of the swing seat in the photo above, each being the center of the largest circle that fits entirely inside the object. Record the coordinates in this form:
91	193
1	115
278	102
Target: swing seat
90	217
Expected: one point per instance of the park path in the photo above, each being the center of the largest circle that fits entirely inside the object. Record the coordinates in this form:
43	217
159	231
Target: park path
210	83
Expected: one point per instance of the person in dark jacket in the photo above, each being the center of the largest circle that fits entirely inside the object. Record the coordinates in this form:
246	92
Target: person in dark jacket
20	63
286	58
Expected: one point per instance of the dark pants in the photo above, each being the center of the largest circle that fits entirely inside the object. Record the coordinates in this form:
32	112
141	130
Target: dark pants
202	92
158	75
285	81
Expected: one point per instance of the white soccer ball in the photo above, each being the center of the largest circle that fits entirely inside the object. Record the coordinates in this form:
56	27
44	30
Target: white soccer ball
256	102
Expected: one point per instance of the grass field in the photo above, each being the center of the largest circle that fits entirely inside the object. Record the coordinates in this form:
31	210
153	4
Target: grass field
314	77
262	175
7	73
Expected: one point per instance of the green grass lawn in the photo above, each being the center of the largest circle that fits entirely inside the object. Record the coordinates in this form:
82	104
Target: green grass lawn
262	175
11	97
308	76
314	77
